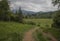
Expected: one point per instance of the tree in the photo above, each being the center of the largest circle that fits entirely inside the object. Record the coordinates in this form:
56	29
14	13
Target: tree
20	15
56	2
56	20
4	10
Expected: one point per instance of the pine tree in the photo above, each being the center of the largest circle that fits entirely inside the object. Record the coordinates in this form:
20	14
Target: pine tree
19	15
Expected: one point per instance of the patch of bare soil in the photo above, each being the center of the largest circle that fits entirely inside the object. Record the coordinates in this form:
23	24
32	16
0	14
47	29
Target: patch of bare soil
28	35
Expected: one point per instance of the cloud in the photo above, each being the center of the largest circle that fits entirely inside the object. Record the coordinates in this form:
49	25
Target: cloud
33	5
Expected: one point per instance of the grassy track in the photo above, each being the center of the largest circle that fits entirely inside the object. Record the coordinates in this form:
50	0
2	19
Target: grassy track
45	24
55	32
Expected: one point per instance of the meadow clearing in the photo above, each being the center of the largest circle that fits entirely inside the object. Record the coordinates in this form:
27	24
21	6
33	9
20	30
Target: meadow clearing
15	31
41	22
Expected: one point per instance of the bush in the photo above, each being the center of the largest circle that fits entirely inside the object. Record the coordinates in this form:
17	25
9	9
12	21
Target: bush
56	20
38	25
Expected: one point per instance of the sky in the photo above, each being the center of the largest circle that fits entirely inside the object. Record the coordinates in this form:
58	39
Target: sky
33	5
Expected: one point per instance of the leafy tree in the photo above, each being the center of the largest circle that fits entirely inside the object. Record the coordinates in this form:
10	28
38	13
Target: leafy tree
56	20
4	10
56	2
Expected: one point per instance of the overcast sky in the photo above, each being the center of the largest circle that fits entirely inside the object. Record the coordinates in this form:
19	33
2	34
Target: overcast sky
33	5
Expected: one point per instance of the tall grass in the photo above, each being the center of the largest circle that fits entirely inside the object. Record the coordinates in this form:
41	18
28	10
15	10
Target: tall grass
12	31
41	22
54	31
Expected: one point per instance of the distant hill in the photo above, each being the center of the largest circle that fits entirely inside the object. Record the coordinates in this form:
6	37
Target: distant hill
25	12
41	14
44	14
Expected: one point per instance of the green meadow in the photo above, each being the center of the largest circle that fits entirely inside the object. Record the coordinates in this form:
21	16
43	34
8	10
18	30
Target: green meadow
41	22
15	31
12	29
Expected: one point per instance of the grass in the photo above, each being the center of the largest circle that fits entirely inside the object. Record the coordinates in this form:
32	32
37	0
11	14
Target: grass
14	31
9	30
39	36
55	32
41	22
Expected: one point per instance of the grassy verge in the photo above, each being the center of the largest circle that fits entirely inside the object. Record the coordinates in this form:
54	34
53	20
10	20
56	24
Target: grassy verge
55	32
39	36
12	31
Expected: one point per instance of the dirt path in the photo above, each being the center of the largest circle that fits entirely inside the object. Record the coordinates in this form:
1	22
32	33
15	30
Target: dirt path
28	35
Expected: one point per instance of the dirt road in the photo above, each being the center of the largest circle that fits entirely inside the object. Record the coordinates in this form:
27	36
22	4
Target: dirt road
28	35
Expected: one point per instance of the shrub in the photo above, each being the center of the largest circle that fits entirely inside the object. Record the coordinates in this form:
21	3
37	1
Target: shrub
38	25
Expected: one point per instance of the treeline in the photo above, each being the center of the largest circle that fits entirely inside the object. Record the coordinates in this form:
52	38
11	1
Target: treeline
7	15
41	15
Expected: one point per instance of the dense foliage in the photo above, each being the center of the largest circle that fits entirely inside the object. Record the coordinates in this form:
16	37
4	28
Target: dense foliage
7	15
56	2
4	10
57	16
